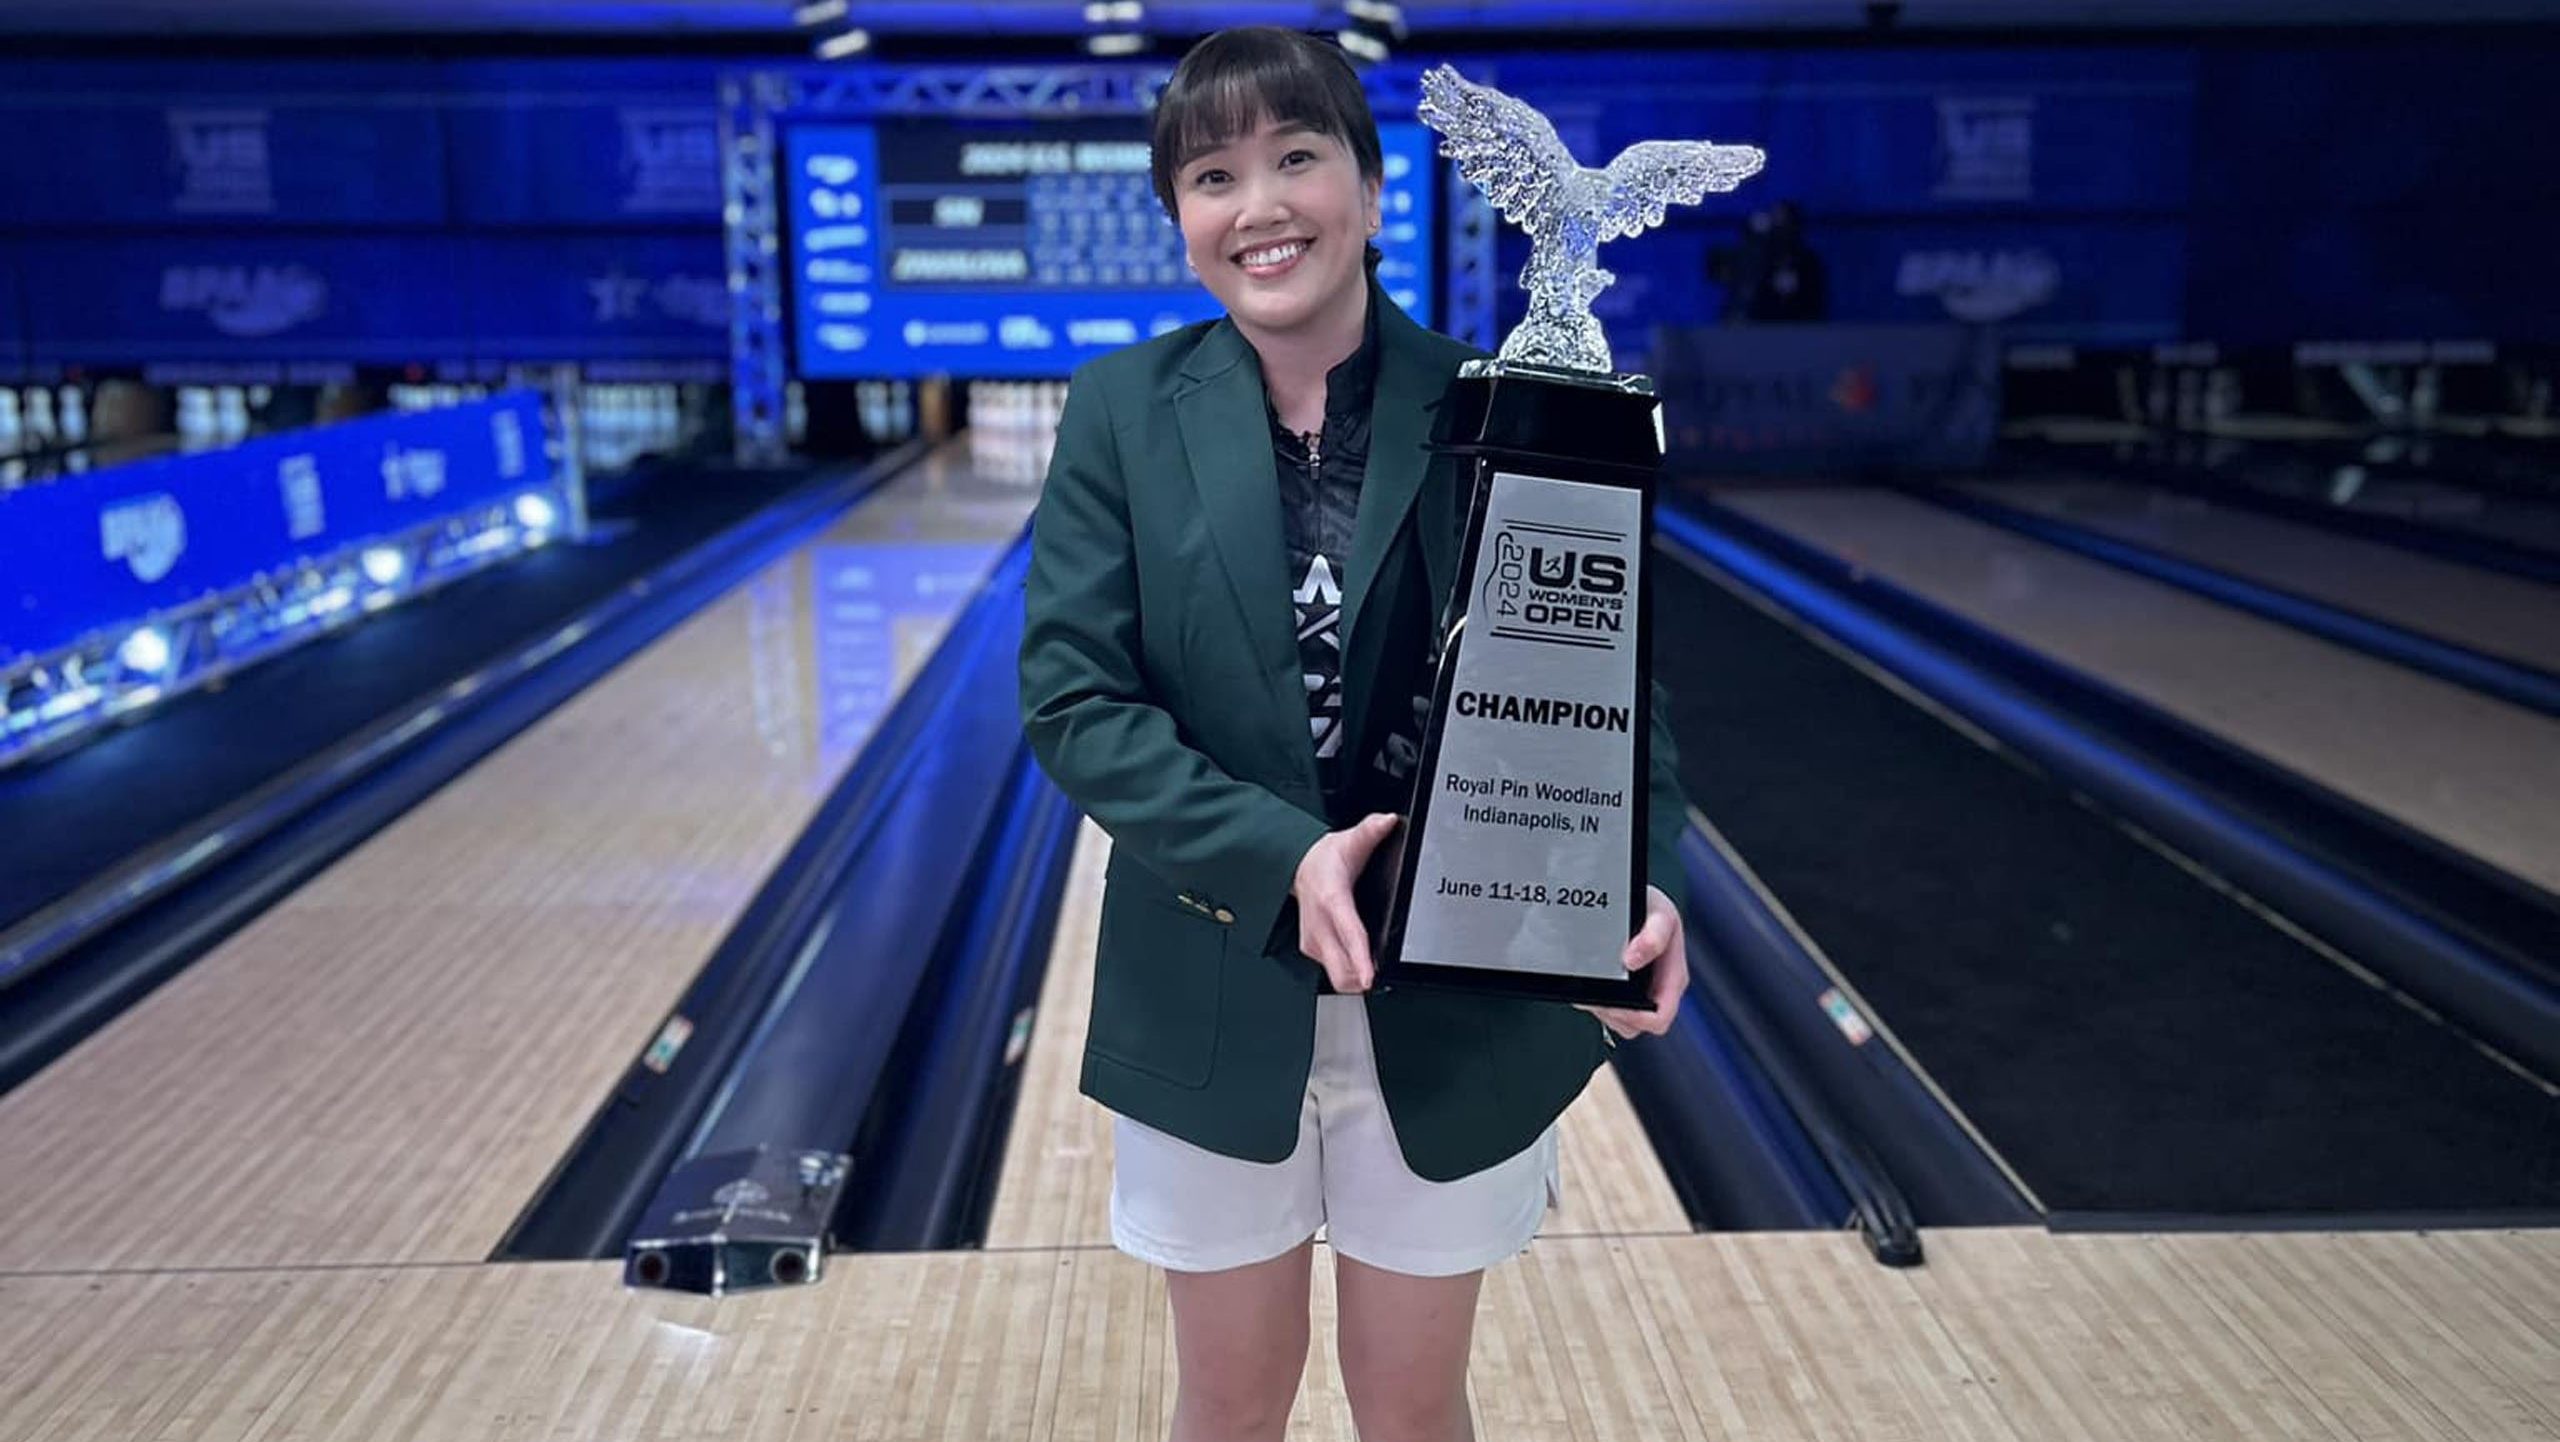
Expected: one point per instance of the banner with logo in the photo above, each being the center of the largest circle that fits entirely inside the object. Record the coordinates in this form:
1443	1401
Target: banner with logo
234	146
1921	131
1827	399
244	298
540	144
119	545
2087	282
1894	132
624	297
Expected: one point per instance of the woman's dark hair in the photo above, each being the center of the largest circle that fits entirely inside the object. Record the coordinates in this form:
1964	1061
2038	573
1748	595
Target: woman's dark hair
1237	78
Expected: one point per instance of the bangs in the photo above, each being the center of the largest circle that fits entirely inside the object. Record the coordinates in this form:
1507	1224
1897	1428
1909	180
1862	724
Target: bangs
1234	81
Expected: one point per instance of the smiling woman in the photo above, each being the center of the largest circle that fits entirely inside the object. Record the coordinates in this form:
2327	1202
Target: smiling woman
1267	157
1227	655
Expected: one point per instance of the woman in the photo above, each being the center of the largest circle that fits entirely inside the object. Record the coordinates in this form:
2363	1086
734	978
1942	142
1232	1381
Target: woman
1238	561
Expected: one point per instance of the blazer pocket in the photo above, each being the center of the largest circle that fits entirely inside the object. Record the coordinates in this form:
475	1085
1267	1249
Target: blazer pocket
1159	975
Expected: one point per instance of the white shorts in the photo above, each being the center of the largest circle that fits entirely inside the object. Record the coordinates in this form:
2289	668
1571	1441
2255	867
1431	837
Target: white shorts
1187	1209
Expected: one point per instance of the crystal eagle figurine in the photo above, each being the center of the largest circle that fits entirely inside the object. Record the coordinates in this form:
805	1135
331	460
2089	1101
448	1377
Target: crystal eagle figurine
1506	149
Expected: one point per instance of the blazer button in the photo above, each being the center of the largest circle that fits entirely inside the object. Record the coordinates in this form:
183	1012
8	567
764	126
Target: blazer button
1226	917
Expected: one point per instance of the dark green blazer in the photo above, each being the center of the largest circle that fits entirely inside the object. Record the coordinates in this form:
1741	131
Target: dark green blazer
1161	691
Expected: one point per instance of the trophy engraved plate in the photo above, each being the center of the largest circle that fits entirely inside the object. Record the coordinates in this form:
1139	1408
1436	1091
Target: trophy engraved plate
1523	865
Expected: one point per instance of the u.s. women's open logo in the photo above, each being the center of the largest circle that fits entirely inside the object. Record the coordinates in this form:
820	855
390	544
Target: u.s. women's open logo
1564	584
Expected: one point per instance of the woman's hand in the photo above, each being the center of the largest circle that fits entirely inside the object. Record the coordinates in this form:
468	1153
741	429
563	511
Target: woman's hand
1663	946
1330	930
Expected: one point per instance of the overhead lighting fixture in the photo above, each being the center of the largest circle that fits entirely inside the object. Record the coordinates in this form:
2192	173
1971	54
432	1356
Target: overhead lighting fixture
847	39
535	512
147	651
1116	27
844	46
1371	29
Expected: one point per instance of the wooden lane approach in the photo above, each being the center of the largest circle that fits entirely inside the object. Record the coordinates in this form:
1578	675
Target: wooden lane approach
384	1067
2009	1335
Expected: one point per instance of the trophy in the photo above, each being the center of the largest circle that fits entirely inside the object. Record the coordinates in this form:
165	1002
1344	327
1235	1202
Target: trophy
1521	869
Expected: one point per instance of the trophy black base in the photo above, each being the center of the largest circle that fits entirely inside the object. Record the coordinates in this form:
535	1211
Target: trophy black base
1521	868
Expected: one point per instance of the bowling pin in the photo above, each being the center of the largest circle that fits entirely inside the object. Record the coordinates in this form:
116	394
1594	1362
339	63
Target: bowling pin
196	422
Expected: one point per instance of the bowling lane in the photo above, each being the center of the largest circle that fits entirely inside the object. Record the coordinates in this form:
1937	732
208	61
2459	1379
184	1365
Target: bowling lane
2495	614
385	1067
1055	1189
139	790
2377	491
2476	773
2125	1033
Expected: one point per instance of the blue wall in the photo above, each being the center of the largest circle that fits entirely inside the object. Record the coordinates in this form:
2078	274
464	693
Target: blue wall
2046	189
2399	191
454	215
2240	191
471	213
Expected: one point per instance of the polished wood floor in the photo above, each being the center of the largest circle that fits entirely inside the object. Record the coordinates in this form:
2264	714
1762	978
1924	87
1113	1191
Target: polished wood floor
2005	1337
2471	771
386	1065
2487	611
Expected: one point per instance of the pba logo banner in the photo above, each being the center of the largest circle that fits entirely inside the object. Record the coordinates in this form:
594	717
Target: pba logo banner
223	161
246	301
1558	584
1980	286
147	533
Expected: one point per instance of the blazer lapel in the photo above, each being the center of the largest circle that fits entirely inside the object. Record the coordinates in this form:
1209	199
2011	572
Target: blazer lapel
1399	425
1226	437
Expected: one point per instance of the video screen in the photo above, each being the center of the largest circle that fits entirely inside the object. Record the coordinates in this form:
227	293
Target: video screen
1015	248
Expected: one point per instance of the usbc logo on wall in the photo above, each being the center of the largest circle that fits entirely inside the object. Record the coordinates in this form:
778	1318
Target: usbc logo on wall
246	301
223	162
670	161
1986	147
1980	286
147	533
